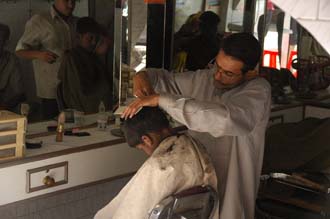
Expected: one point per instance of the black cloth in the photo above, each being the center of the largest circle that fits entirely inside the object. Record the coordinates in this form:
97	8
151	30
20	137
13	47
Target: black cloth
83	80
11	84
301	146
49	108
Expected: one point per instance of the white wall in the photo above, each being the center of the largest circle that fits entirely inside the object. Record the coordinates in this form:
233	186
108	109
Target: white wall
311	14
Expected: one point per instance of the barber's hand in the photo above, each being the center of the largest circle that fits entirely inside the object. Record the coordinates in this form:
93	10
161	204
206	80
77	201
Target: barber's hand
47	56
141	85
133	108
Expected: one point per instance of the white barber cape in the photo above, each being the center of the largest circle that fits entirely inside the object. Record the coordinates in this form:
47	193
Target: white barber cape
177	164
231	124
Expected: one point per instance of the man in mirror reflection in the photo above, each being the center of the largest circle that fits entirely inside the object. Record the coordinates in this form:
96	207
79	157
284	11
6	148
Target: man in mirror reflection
176	162
201	45
46	36
83	77
11	84
227	108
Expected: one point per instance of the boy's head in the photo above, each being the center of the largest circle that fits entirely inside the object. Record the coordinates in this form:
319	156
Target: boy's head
146	129
89	32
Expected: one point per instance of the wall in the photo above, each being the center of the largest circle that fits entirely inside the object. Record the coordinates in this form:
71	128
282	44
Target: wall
80	203
313	15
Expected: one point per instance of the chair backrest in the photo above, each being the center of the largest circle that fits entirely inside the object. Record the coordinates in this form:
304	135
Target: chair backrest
195	203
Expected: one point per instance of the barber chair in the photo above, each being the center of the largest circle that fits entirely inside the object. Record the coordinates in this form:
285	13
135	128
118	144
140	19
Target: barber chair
195	203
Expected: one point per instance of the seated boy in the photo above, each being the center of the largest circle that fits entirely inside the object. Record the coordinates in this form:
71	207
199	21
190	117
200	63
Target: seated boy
83	76
176	163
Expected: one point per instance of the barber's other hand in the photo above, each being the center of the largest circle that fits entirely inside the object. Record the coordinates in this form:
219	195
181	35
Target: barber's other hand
132	109
141	85
47	56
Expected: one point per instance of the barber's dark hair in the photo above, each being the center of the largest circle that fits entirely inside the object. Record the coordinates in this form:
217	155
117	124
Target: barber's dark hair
244	47
147	120
88	25
209	21
5	30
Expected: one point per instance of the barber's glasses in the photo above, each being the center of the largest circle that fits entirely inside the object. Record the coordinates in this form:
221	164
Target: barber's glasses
217	69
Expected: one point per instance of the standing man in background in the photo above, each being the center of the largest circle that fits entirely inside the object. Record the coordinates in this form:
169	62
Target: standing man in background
47	35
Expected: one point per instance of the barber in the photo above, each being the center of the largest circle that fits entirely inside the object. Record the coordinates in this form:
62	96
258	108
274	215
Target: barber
227	108
46	37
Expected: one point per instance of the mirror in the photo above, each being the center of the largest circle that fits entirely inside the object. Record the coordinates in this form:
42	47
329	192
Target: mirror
130	44
197	35
102	11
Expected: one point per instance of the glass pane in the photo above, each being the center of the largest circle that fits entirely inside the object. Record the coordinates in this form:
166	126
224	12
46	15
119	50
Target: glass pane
277	31
235	16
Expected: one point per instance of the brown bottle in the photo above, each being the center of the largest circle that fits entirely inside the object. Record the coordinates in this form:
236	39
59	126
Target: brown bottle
59	133
60	127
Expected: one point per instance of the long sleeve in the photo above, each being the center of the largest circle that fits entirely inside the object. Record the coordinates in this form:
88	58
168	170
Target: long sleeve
236	115
184	84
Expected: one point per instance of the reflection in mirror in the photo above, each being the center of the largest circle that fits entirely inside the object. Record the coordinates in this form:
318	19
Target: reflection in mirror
235	16
196	38
278	33
27	9
132	39
138	25
121	46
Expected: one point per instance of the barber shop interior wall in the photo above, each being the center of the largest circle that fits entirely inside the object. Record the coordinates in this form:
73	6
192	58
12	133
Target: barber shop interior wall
312	15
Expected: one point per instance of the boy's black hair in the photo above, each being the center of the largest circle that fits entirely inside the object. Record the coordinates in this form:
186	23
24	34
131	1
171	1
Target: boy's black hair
244	47
147	120
88	25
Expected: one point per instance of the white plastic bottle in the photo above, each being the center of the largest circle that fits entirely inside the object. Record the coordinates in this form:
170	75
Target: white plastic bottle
102	118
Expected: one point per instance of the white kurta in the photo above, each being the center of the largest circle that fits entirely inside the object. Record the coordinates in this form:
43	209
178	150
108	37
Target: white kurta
47	31
230	124
177	164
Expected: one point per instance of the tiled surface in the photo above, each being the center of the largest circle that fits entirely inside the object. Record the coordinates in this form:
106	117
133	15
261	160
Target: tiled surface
77	204
313	15
325	9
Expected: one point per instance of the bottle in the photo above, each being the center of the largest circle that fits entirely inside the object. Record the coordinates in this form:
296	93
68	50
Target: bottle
60	127
102	119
